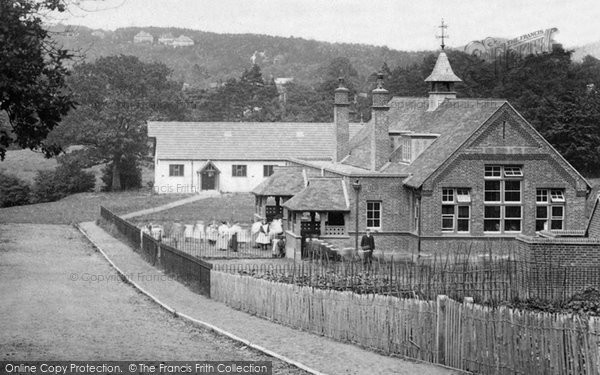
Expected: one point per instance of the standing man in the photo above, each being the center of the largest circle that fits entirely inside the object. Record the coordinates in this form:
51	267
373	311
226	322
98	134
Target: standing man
367	244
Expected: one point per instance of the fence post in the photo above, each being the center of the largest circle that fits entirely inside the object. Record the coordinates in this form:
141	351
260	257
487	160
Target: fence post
440	336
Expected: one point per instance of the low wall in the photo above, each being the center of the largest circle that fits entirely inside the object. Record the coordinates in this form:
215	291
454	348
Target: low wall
579	256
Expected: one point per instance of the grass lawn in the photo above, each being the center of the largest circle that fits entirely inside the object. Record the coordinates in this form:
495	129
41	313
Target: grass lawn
229	207
84	207
25	164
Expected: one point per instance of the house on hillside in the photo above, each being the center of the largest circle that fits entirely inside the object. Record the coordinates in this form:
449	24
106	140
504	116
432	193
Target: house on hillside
166	39
182	41
143	37
232	156
428	173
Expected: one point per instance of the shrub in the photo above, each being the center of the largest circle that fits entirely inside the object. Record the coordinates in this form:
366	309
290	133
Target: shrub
66	179
13	191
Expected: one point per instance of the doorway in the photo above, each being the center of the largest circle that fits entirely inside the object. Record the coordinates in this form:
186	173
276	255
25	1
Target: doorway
209	177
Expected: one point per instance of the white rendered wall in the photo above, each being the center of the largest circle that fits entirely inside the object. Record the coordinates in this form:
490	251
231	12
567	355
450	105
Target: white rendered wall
190	181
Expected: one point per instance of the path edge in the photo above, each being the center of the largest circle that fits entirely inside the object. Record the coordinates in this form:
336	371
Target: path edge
195	321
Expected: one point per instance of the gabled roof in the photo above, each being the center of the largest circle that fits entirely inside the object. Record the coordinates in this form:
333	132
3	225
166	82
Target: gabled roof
455	120
442	71
285	181
321	194
244	140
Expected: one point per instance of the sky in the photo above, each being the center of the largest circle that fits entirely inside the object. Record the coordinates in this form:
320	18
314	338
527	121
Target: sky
397	24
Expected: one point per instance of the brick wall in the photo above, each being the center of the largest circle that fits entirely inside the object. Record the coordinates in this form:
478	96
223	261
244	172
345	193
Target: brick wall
468	172
578	257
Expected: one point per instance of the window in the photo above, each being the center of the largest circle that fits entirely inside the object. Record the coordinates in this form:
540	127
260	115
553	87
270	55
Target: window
456	210
373	215
175	170
406	149
503	211
550	209
267	170
238	170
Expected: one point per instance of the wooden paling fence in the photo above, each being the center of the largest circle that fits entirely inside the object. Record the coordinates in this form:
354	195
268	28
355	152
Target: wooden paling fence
489	282
466	336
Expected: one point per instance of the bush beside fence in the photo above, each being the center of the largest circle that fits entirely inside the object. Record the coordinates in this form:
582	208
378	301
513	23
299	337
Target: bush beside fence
460	335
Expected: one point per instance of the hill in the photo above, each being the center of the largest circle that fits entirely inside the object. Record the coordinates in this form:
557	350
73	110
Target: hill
218	57
592	49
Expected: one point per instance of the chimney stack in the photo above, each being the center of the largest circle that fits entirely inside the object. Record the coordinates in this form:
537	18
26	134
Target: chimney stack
341	115
380	135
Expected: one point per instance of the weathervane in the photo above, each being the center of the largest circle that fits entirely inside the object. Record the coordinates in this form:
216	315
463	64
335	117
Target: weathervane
443	36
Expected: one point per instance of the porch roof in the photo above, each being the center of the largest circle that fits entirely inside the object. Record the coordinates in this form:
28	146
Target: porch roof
285	181
321	194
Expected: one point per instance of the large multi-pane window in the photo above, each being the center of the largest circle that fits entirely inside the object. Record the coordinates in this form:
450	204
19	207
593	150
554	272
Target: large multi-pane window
503	210
550	209
374	215
175	170
456	210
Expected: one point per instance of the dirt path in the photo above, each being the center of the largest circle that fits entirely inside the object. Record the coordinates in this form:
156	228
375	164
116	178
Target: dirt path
62	301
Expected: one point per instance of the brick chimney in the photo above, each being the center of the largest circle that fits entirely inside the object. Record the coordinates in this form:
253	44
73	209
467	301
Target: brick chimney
341	115
380	135
442	80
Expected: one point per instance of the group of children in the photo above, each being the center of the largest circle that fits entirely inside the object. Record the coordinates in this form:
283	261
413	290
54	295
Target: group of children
227	236
270	234
224	236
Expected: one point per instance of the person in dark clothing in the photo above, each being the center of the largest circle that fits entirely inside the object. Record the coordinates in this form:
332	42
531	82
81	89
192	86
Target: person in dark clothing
367	244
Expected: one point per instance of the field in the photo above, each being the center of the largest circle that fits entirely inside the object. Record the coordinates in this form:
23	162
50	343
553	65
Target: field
26	163
230	207
84	207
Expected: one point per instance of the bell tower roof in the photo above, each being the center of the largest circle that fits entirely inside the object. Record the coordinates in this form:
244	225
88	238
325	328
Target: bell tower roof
442	71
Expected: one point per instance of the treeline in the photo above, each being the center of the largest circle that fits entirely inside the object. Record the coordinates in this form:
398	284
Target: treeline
219	57
559	97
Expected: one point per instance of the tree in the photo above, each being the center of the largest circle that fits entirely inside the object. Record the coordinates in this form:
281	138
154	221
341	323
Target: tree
117	95
32	76
248	99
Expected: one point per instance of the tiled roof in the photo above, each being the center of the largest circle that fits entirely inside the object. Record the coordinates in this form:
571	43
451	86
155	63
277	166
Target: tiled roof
285	181
337	167
321	194
442	71
454	120
244	140
360	148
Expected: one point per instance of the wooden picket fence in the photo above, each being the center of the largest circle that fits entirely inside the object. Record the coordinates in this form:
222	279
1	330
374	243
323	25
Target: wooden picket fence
465	336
